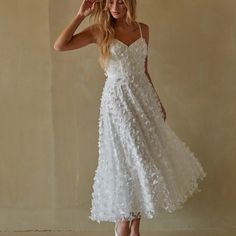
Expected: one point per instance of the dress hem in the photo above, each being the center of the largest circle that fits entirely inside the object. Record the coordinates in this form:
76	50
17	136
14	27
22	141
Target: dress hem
154	214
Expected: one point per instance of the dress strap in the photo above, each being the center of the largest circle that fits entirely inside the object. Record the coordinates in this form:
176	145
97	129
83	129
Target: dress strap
140	29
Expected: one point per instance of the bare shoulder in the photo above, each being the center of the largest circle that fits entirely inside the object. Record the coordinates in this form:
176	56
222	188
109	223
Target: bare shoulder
144	27
145	30
95	31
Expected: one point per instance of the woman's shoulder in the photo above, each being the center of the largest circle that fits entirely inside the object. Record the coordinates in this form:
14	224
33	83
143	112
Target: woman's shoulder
145	29
144	25
95	30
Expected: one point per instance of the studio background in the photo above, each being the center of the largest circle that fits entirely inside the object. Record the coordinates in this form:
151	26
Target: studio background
49	106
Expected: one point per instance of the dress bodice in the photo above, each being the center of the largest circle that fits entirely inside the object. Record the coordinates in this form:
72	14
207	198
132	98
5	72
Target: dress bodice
127	60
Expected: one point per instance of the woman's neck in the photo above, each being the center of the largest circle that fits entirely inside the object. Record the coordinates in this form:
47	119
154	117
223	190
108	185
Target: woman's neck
121	23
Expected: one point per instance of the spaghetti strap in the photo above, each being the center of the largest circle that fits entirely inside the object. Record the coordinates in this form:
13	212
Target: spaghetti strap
140	29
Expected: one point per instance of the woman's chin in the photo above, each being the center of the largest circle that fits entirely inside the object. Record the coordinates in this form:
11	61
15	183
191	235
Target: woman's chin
117	16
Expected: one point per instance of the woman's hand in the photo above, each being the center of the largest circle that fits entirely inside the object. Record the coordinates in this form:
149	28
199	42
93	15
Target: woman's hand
87	7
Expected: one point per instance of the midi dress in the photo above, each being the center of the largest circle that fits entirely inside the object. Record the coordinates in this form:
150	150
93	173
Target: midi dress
143	166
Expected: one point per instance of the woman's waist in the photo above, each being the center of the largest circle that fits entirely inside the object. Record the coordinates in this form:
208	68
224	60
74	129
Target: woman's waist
123	75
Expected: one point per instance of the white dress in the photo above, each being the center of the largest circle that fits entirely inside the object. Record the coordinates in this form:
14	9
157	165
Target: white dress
143	167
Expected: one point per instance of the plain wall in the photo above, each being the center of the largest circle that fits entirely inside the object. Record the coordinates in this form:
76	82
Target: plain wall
50	103
26	127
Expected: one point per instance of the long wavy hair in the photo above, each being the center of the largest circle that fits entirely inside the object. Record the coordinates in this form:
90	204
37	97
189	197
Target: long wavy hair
106	23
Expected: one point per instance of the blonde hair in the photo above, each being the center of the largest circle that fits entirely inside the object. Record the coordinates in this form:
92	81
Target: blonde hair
106	22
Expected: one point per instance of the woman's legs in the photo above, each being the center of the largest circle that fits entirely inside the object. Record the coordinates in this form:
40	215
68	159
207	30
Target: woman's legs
123	228
129	228
134	226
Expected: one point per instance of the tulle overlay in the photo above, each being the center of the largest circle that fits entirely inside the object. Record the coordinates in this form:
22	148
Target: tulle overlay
143	167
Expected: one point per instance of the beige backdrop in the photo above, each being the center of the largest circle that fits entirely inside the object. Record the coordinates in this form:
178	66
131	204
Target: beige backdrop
50	103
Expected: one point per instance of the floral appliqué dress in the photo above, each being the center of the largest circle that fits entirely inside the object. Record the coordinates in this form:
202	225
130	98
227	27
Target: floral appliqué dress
143	166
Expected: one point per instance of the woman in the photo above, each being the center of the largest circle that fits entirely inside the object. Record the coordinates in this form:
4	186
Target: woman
143	166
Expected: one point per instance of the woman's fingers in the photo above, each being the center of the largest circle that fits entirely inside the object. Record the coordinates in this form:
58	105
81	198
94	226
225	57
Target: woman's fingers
87	7
96	1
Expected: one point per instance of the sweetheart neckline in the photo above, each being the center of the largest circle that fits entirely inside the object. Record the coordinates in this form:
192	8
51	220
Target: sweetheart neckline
128	46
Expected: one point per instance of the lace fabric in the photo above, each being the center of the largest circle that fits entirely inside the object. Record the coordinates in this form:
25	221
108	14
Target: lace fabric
143	166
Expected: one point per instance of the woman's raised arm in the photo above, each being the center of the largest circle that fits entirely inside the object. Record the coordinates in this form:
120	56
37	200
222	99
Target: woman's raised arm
67	40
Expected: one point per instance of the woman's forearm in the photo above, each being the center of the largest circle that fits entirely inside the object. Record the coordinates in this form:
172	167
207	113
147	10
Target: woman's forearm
68	32
149	78
162	107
